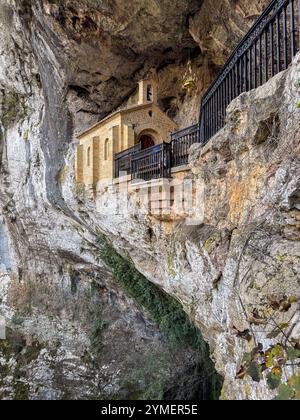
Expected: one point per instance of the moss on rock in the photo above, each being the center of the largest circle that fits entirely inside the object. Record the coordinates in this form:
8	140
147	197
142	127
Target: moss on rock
14	109
167	313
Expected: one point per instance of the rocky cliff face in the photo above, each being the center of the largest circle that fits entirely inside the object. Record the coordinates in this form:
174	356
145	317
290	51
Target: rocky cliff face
65	65
237	272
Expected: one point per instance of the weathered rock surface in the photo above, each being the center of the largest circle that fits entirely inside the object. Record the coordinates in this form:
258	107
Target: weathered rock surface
72	334
237	272
58	72
219	26
64	65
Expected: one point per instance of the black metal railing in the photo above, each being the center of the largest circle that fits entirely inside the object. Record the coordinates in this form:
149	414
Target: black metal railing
181	141
152	163
123	160
267	49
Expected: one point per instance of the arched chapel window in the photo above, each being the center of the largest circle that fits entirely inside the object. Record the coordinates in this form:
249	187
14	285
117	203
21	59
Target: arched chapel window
106	149
149	93
89	156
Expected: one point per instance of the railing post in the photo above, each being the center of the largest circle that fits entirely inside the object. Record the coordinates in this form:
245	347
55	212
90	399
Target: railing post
272	48
168	160
130	165
132	170
278	42
292	27
201	124
266	56
265	50
285	46
250	67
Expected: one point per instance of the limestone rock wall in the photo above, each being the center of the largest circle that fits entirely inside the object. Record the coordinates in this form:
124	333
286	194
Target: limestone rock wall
65	65
226	22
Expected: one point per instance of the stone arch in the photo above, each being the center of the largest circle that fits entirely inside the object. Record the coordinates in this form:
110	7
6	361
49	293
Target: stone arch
146	141
151	135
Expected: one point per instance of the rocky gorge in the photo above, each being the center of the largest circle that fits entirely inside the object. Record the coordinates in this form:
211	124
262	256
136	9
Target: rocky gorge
73	279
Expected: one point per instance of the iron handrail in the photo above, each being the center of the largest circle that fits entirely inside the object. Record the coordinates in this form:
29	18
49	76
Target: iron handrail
152	163
184	132
266	49
133	149
242	47
150	150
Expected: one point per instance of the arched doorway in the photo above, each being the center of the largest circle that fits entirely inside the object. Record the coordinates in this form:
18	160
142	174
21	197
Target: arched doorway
146	141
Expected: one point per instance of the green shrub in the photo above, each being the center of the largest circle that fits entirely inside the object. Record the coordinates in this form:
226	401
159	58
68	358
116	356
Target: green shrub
165	311
96	333
162	308
13	109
